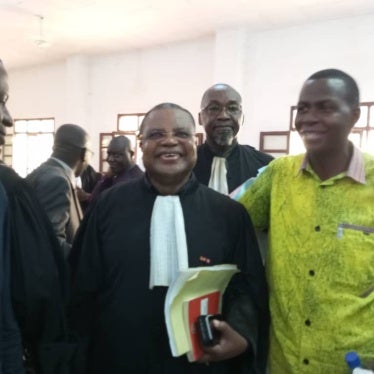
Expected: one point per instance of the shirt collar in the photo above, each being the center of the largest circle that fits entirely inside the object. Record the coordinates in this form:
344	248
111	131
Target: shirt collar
355	170
69	171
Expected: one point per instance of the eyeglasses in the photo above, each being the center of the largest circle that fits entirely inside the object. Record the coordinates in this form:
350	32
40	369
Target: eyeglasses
158	135
214	109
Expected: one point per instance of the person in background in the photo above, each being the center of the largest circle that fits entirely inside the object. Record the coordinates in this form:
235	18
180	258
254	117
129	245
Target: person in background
318	208
33	276
54	182
122	167
86	184
119	283
222	163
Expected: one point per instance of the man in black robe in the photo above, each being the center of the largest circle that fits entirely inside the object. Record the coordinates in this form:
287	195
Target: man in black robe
222	163
33	276
117	306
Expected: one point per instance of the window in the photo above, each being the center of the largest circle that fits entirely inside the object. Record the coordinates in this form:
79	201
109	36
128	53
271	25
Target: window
275	143
31	144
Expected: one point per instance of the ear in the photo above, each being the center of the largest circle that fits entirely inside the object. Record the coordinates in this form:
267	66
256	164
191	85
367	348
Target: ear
242	120
199	118
83	154
356	115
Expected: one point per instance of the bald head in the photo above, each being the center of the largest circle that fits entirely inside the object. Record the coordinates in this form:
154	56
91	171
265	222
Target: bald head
221	116
121	142
119	155
219	88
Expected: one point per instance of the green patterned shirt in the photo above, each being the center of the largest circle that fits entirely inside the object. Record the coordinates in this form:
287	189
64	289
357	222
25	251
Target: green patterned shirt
319	264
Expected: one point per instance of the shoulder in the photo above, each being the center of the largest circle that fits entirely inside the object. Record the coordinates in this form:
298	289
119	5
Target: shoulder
10	179
285	165
49	178
135	171
202	148
255	153
218	200
47	171
122	190
369	166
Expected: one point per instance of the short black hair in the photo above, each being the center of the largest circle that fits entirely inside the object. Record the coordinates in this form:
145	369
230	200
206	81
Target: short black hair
70	135
352	90
165	106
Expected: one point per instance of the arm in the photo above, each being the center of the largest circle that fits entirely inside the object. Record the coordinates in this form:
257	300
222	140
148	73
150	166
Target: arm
54	193
87	279
256	199
245	307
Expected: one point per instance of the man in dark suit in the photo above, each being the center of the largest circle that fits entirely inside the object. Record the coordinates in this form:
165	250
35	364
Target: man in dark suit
33	275
54	182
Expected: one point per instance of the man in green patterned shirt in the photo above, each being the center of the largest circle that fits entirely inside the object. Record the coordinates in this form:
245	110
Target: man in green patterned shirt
319	211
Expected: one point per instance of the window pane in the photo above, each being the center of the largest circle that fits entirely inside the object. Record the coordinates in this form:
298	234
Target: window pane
275	141
132	138
371	124
105	140
20	126
33	125
296	144
141	120
48	125
32	143
41	142
355	138
20	154
362	122
370	143
128	123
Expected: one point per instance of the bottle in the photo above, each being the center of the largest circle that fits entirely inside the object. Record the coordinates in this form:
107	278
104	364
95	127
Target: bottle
354	363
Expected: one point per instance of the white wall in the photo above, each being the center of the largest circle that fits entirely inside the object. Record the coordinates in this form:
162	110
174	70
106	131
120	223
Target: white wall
279	61
92	91
268	68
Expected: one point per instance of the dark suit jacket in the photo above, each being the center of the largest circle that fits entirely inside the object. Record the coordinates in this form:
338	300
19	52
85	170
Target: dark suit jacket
57	195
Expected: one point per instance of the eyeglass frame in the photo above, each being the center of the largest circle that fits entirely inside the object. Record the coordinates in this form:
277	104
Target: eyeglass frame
221	107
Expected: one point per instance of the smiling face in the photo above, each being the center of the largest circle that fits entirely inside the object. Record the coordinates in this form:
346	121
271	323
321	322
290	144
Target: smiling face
220	115
5	118
168	145
119	155
325	117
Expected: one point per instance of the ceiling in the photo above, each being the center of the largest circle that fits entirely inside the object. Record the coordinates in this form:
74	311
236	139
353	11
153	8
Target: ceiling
41	31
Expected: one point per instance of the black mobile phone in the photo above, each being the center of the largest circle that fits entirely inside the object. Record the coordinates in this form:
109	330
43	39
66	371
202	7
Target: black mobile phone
208	335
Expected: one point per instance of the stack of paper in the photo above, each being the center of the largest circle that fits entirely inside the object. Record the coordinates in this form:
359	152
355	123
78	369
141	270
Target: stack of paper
195	291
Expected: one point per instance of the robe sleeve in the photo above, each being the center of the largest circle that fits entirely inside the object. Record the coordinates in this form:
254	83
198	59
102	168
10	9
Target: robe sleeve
38	277
87	280
10	336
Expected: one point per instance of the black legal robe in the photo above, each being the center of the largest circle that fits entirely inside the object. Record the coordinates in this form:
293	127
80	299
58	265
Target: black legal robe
38	278
242	162
121	319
